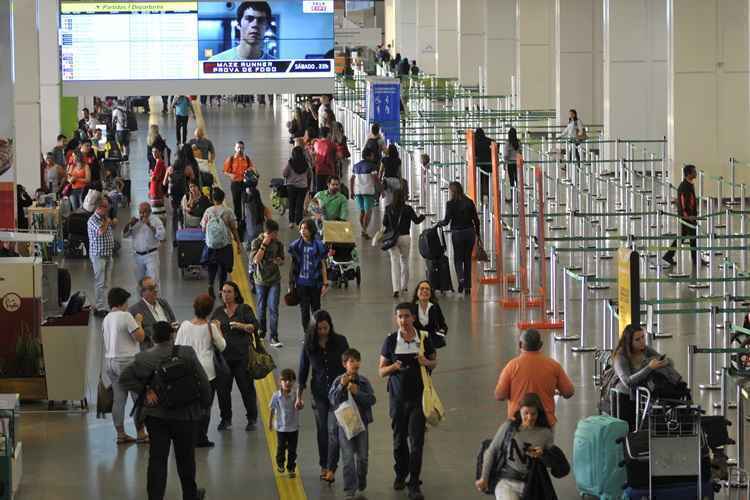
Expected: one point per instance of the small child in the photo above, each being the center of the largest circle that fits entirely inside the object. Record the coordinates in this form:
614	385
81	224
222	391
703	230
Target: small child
284	419
355	474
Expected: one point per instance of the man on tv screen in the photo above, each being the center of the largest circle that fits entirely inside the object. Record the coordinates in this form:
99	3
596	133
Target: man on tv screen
254	19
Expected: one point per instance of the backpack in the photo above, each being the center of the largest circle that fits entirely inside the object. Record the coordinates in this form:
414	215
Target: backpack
325	157
431	243
178	182
217	233
373	145
175	382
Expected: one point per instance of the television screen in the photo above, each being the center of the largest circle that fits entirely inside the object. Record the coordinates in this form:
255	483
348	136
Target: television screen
195	40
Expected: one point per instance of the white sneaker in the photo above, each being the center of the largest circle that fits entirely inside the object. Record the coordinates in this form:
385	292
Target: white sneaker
275	342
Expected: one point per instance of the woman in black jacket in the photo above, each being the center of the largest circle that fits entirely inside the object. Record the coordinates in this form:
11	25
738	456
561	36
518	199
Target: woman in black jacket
461	214
321	355
399	217
429	315
483	156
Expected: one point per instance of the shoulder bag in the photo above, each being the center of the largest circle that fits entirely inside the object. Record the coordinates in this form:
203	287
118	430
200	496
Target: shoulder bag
260	363
390	235
433	409
220	364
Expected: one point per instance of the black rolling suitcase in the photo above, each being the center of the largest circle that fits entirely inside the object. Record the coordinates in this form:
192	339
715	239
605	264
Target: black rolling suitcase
190	243
439	274
75	233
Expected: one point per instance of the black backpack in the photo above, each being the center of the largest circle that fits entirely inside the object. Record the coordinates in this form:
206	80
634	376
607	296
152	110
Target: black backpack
431	243
373	145
175	382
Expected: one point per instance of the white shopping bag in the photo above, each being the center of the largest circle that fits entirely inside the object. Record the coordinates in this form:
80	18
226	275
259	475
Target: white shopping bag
348	417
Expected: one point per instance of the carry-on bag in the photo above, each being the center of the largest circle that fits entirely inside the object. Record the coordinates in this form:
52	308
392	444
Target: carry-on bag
598	463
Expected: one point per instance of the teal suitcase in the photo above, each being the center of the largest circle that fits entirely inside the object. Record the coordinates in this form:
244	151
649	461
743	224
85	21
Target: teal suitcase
598	459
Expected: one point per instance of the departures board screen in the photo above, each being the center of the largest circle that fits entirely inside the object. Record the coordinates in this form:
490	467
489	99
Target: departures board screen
196	40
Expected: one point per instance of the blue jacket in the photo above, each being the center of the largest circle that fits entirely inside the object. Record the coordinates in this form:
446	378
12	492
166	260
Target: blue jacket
365	397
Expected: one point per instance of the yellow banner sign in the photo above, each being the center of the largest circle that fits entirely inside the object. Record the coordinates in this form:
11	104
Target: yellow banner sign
624	287
104	7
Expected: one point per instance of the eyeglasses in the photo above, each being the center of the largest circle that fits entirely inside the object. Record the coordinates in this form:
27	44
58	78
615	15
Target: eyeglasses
150	288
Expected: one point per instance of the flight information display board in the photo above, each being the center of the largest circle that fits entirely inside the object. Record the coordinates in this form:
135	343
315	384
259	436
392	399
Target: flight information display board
195	40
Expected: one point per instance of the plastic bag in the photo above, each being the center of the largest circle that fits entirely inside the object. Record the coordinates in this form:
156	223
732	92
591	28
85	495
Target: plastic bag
348	417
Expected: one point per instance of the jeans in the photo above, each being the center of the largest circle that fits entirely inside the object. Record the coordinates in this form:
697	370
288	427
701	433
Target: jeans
286	452
114	367
237	372
101	265
236	188
508	489
309	302
408	425
296	203
147	265
177	216
400	263
202	428
181	129
354	457
512	174
463	245
327	434
685	231
268	298
76	198
162	433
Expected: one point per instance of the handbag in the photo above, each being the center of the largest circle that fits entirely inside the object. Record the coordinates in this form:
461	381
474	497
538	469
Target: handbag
481	253
260	363
292	298
390	236
220	363
348	417
432	407
104	400
377	238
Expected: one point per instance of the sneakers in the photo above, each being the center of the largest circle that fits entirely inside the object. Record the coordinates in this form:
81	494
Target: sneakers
251	426
280	469
395	294
261	334
224	425
275	342
399	484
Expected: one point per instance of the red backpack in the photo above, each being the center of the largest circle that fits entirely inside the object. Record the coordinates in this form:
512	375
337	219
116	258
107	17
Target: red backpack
325	157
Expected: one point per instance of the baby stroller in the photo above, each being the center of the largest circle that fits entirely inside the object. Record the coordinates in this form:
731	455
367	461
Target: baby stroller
343	258
279	197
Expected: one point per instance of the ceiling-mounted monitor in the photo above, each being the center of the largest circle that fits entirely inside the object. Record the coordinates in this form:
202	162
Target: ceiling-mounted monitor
151	47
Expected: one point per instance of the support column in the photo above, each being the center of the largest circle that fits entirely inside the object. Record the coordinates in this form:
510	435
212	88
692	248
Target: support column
26	66
406	30
470	41
426	33
390	24
708	87
7	109
500	45
49	74
536	58
578	59
635	69
446	21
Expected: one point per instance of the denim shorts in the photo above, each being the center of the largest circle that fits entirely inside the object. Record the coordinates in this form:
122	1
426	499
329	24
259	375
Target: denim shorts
365	202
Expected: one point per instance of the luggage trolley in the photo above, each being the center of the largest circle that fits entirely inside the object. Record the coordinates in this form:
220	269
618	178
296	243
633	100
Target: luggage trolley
672	443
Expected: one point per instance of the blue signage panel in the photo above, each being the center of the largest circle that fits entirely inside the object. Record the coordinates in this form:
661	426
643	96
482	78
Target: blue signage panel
384	107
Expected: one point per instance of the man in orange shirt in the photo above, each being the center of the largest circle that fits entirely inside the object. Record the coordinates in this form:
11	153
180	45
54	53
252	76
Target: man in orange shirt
532	371
235	167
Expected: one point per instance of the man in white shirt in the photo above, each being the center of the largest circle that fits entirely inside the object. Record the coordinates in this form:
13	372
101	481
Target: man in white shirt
122	134
150	309
147	233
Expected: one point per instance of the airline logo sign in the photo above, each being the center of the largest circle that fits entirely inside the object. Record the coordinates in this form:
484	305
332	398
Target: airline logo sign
317	6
